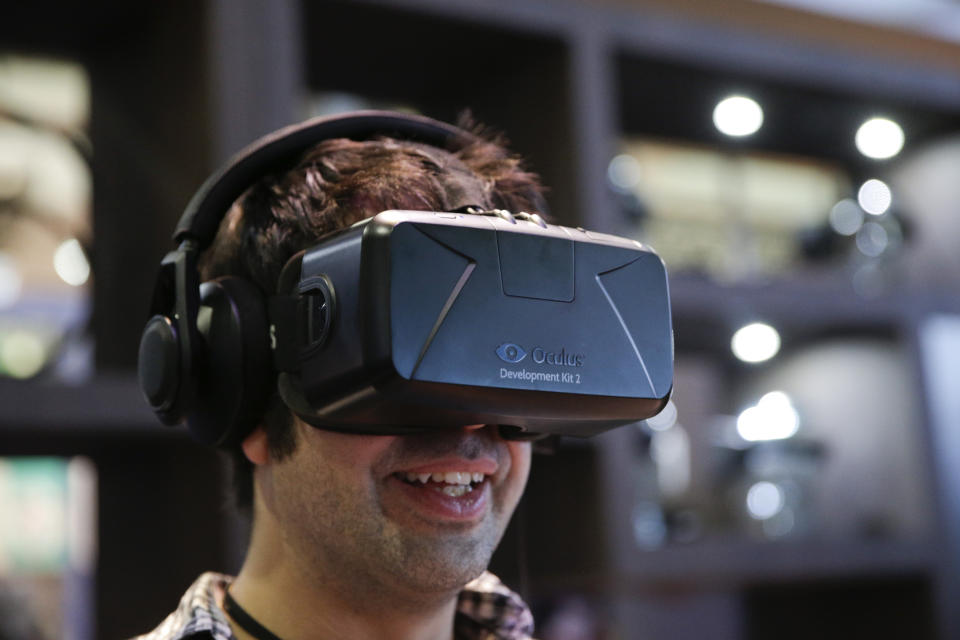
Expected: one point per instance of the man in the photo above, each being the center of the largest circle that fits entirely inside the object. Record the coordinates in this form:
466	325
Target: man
359	536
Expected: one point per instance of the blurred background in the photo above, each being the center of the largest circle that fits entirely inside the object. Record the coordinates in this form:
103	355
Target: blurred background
795	162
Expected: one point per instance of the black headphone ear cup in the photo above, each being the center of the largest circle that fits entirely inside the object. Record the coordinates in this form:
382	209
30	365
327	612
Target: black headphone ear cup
236	375
158	368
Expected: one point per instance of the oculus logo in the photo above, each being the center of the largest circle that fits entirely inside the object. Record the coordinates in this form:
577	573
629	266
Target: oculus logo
559	358
512	353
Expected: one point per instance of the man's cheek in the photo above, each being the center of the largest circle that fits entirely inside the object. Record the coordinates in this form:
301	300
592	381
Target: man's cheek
519	466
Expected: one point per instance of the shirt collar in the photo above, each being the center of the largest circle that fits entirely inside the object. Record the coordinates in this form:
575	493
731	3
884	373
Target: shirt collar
198	612
487	609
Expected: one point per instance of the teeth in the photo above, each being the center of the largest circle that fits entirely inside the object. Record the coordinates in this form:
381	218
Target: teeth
453	478
456	490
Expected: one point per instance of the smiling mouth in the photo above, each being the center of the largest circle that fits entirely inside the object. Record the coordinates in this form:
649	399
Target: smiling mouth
455	484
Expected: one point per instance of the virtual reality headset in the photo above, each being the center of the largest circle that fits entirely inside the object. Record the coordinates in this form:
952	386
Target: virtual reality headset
410	320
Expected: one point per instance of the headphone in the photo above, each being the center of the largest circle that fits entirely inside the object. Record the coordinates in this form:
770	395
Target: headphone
205	355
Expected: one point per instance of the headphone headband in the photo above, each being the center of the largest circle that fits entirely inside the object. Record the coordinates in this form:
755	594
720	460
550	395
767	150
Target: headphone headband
209	205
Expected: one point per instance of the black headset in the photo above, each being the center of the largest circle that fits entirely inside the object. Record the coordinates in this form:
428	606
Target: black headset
205	353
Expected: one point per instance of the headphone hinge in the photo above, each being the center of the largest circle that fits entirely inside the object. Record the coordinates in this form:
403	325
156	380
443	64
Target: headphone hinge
282	314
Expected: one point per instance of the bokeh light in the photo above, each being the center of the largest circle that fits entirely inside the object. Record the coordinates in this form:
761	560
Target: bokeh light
872	239
846	217
772	418
22	354
738	116
623	172
70	263
756	342
879	138
665	419
874	197
765	500
11	282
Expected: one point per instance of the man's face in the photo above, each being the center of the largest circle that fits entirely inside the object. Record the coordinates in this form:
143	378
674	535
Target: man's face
420	512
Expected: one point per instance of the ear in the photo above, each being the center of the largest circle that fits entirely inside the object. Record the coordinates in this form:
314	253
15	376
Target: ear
255	447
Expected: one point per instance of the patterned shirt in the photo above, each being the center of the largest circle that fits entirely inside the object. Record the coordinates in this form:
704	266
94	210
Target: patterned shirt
486	610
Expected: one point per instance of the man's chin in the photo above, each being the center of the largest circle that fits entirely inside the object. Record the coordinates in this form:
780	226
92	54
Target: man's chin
444	564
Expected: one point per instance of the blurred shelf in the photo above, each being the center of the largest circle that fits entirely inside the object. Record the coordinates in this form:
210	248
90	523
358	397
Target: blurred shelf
742	562
107	404
787	45
818	299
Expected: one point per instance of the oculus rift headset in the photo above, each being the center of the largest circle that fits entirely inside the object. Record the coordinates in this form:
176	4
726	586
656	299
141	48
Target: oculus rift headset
409	320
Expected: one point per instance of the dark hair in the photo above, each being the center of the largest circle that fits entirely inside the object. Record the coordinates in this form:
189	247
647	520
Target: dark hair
335	184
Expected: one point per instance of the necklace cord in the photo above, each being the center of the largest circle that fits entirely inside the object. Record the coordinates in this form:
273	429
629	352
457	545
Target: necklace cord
246	622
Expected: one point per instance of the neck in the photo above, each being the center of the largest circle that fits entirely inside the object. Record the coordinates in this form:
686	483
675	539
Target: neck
299	603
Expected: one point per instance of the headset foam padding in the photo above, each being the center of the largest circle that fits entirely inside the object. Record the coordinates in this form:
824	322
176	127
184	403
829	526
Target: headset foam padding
235	373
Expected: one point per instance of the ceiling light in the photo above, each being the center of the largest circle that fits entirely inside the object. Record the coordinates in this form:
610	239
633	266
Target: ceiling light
772	418
738	116
879	138
755	342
